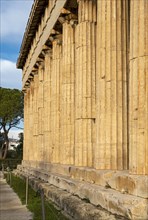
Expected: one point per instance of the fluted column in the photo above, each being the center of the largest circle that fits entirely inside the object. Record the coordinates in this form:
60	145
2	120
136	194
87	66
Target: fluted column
40	113
55	100
138	87
47	108
25	128
67	96
85	83
31	146
111	96
35	118
45	113
28	123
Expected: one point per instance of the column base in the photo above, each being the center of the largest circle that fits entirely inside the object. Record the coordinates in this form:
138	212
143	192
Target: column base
115	191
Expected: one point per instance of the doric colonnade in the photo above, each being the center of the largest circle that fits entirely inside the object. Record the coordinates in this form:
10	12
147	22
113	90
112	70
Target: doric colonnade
86	86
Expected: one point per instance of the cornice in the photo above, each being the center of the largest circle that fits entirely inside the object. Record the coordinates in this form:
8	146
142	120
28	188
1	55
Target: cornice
38	9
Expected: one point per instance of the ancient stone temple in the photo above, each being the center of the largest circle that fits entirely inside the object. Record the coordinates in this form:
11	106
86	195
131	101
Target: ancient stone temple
85	81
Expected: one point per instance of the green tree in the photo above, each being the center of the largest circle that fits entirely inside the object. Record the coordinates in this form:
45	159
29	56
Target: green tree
11	113
20	146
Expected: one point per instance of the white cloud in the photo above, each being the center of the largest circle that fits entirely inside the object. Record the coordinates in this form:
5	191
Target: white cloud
14	16
10	77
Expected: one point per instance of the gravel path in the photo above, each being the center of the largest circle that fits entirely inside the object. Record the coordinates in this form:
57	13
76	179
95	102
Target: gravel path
11	207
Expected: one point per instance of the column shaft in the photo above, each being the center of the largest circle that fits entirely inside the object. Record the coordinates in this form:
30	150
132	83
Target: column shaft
111	143
35	118
67	96
85	83
55	101
25	128
47	108
31	146
138	120
28	124
40	113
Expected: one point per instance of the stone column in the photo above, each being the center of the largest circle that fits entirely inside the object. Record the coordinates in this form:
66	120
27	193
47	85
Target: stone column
31	147
27	123
45	113
85	48
25	127
55	100
47	108
138	87
40	113
111	91
35	118
67	96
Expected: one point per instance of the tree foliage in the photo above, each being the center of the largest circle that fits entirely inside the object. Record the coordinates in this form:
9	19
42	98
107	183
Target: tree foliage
11	113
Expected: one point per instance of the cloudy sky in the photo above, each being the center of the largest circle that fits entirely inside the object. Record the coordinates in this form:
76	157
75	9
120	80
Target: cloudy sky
13	18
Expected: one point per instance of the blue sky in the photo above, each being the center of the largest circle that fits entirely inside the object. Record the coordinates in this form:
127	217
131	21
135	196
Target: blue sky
13	19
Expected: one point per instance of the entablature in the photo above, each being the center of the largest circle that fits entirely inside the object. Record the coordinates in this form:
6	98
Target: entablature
49	29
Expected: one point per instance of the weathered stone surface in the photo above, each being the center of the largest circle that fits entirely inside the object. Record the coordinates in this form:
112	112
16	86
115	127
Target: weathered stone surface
119	180
112	200
67	91
130	184
138	90
111	86
85	83
85	87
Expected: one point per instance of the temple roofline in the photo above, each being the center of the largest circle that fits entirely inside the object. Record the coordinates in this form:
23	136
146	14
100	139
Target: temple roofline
35	17
37	10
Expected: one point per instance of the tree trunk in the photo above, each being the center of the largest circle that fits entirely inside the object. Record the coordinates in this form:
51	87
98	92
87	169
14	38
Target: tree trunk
4	149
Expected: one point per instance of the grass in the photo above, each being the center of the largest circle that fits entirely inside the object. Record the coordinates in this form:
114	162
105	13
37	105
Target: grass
34	201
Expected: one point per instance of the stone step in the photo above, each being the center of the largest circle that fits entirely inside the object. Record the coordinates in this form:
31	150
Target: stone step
122	181
71	205
112	200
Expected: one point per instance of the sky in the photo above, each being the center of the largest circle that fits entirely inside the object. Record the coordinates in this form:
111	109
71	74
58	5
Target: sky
14	15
